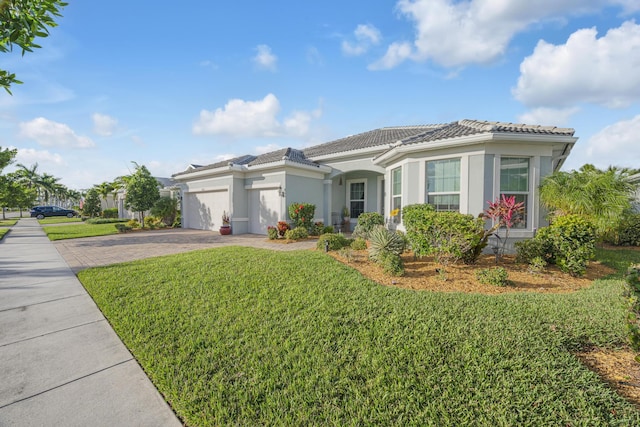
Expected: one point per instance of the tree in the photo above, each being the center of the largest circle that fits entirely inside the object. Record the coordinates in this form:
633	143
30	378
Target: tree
21	21
91	206
104	190
6	157
142	191
166	208
603	197
13	194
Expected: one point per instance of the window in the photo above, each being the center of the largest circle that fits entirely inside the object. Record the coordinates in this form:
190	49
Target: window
443	184
356	198
514	181
396	191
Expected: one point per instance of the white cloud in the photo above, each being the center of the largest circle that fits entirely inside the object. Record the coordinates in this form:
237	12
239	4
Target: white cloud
457	33
241	118
52	134
264	58
602	70
366	36
103	125
262	149
615	145
548	116
29	156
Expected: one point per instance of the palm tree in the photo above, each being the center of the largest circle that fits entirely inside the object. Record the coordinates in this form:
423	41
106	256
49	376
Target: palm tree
603	197
47	184
104	190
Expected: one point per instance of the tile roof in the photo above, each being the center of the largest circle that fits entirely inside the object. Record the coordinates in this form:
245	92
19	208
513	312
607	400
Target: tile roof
388	137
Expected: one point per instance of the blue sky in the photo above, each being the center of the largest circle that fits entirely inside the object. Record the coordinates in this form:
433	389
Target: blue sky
166	84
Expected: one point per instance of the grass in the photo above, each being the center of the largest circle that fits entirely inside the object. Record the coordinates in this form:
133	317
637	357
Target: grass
58	220
73	231
245	336
3	231
8	222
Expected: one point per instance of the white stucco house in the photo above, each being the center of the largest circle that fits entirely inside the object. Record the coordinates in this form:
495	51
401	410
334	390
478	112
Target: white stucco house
455	166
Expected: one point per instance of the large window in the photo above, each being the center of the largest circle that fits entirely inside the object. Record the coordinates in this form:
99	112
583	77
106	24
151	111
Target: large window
514	181
396	191
443	184
356	198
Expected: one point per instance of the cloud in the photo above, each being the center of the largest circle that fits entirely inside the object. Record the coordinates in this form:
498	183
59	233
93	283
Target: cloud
52	134
262	149
264	58
615	145
103	125
366	36
29	156
457	33
601	71
548	116
241	118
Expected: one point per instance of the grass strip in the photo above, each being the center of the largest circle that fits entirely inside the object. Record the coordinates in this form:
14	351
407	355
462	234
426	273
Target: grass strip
245	336
58	220
3	232
8	222
74	231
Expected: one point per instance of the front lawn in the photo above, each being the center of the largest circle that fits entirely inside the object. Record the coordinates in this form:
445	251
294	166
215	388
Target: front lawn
3	231
73	231
8	222
59	220
245	336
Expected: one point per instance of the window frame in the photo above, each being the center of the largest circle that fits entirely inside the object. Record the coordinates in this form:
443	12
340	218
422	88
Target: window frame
349	199
522	226
395	199
457	192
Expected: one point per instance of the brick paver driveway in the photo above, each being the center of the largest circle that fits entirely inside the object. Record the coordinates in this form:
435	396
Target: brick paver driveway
104	250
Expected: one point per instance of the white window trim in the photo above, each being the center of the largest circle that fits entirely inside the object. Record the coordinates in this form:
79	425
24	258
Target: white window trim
459	193
518	232
348	195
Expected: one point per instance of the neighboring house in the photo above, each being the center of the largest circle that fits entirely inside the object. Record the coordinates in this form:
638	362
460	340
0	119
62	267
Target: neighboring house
167	187
457	166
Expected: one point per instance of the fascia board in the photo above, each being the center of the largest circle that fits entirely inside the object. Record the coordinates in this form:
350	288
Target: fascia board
352	153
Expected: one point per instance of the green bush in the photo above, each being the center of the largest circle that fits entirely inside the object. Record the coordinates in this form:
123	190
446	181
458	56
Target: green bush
529	249
418	221
317	229
110	213
382	241
336	241
166	208
153	222
632	297
272	232
359	244
628	233
328	229
391	263
104	220
367	221
537	265
122	228
496	276
302	215
297	233
571	240
133	223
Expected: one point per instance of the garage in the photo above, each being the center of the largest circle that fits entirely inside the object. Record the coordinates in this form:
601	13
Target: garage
264	209
204	209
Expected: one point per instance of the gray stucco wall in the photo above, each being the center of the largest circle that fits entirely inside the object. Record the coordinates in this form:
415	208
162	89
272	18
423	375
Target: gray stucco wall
305	190
480	177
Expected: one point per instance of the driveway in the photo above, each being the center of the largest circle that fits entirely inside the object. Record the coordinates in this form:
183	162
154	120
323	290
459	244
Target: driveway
104	250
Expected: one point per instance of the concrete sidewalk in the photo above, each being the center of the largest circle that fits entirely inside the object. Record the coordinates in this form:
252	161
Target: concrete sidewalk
60	361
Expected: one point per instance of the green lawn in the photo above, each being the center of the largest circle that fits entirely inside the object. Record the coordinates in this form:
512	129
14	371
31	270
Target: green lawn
245	336
8	222
73	231
3	231
58	220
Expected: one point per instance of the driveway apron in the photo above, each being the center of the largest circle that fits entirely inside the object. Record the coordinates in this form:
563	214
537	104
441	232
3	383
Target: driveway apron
61	363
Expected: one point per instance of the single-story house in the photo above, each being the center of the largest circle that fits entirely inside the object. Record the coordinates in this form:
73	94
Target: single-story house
456	166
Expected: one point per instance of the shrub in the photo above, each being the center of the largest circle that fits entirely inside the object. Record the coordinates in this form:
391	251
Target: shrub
122	228
272	232
359	244
346	253
336	241
110	213
391	263
328	229
153	222
571	240
283	227
496	276
302	214
166	208
632	297
367	221
383	240
537	265
418	221
628	233
528	250
133	223
104	220
297	233
317	229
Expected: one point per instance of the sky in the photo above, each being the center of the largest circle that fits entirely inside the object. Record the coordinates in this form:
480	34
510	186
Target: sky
168	84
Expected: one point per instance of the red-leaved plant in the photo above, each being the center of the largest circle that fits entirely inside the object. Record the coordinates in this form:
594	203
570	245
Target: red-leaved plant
505	212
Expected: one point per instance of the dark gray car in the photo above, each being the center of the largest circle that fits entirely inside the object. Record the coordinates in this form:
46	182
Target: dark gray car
45	211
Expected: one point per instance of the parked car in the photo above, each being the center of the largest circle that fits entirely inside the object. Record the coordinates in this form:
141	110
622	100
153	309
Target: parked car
44	211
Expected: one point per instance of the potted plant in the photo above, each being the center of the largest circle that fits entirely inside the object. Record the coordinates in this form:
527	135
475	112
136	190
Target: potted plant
225	228
345	214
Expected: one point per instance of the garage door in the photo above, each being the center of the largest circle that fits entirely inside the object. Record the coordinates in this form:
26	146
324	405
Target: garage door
204	210
264	210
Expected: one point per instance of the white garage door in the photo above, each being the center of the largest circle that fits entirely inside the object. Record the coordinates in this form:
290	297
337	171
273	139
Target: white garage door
264	210
204	210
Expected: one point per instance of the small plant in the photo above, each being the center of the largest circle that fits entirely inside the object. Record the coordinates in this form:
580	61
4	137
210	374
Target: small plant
346	253
153	222
359	244
632	297
383	240
367	221
302	214
297	233
529	249
505	212
133	223
496	276
391	264
317	229
122	228
328	229
336	242
283	227
272	232
225	218
537	265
